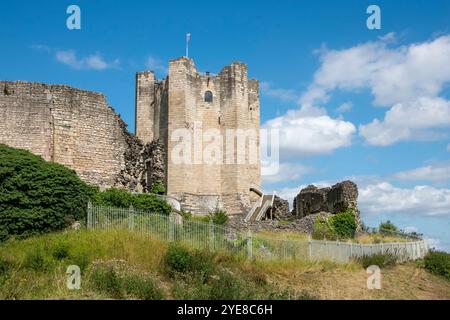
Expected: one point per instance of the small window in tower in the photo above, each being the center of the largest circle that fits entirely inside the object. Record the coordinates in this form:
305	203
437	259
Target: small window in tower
208	96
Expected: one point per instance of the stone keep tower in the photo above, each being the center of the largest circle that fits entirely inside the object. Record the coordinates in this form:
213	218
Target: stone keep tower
224	105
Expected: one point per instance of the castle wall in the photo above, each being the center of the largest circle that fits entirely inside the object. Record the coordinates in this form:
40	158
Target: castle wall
73	127
199	185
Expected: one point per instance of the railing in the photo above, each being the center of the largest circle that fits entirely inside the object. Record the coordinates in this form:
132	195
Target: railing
217	238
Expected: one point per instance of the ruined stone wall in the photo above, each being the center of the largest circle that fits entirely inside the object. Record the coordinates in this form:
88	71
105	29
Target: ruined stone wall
73	127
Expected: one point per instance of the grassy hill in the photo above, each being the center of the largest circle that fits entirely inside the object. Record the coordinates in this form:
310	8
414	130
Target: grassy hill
126	265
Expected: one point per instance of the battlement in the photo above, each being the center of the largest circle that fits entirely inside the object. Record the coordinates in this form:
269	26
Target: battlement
198	102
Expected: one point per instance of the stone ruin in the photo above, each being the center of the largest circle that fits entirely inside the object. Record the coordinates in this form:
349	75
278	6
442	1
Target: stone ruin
312	202
335	199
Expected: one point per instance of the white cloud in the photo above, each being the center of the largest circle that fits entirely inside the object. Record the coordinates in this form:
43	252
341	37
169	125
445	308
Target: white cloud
393	75
92	62
302	134
383	197
409	78
288	172
436	173
282	94
347	106
415	120
155	65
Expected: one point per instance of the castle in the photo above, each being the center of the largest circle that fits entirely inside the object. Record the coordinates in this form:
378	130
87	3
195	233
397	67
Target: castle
187	109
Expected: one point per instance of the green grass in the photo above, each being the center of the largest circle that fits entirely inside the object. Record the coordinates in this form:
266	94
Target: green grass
120	264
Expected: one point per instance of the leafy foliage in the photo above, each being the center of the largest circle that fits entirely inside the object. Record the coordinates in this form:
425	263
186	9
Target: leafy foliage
438	262
122	198
388	226
217	216
344	224
322	229
37	196
339	226
158	188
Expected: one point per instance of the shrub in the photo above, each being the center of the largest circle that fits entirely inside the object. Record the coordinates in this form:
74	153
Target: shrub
344	224
178	258
61	251
142	288
388	227
119	281
199	263
106	280
322	230
202	264
37	260
186	214
114	197
217	216
150	202
438	262
158	188
381	260
5	266
37	196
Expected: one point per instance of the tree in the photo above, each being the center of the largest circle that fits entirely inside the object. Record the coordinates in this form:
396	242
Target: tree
37	196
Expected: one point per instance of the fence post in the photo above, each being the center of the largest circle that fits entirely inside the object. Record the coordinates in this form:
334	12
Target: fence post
211	235
131	217
89	215
171	227
309	247
249	245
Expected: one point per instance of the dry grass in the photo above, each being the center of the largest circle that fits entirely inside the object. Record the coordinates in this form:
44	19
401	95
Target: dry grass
324	280
399	282
365	239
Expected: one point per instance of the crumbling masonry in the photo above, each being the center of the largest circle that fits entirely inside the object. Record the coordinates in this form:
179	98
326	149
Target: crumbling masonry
79	129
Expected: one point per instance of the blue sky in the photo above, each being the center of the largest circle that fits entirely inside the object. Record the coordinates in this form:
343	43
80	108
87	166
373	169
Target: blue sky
370	105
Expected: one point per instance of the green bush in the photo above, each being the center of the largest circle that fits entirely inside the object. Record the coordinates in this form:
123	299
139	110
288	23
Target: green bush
186	214
37	196
158	188
438	262
381	260
122	284
339	226
178	258
218	217
107	281
60	251
142	288
5	266
387	226
322	230
199	263
114	197
37	260
344	224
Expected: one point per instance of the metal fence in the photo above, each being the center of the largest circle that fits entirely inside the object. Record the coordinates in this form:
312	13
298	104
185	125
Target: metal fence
209	236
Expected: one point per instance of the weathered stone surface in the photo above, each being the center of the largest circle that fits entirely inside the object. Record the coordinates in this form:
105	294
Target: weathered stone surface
310	200
164	107
280	209
303	225
154	155
76	128
338	198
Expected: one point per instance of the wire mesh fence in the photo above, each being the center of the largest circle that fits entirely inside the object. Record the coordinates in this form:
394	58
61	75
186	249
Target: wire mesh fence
209	236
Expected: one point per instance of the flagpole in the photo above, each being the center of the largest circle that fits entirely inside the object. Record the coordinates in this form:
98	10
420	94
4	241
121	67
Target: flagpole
188	38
